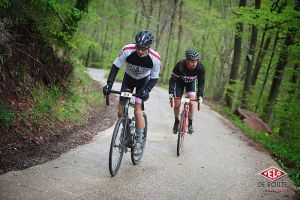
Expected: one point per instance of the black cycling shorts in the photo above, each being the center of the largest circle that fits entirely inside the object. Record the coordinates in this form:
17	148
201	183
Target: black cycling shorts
179	86
131	83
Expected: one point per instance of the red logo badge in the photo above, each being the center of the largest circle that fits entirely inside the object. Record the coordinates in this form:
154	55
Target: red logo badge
272	173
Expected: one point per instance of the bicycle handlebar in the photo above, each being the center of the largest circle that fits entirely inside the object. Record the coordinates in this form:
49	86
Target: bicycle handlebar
172	102
115	92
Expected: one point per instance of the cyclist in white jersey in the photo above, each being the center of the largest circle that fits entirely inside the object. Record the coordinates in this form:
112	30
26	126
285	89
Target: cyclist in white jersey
141	72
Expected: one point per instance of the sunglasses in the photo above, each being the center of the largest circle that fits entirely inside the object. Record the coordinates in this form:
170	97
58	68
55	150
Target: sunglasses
142	48
192	60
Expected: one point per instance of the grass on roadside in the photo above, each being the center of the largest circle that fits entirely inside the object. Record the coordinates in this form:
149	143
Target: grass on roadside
285	150
71	106
6	116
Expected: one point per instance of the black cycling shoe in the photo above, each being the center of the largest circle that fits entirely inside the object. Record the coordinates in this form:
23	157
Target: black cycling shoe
190	129
175	127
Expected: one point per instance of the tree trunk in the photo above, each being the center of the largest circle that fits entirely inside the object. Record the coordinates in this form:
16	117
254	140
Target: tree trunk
249	61
279	70
87	59
294	78
143	12
121	27
104	44
149	16
157	26
260	58
277	78
235	61
268	70
264	46
179	32
169	42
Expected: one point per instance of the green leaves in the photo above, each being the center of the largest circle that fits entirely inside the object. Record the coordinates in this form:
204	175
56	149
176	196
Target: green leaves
6	116
5	3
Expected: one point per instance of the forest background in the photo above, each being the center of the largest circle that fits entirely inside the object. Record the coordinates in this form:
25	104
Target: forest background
250	51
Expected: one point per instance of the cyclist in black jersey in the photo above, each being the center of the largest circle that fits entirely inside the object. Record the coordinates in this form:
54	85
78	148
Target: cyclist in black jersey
141	72
185	74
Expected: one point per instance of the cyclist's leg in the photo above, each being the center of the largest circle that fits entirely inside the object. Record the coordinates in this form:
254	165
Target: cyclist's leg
179	87
190	89
178	91
139	118
126	84
138	112
191	93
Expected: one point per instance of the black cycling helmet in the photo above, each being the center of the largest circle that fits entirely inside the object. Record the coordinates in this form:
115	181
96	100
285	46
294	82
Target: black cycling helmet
144	38
192	54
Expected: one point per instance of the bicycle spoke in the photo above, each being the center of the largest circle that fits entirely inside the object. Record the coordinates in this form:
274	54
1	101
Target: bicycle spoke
117	147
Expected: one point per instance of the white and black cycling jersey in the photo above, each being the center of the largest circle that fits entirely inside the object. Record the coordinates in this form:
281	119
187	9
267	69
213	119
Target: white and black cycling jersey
139	67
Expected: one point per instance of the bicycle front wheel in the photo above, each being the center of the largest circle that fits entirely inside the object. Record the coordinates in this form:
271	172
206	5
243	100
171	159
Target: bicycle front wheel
181	134
137	158
117	146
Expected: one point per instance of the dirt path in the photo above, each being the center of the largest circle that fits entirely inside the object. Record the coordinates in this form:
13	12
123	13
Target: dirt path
217	163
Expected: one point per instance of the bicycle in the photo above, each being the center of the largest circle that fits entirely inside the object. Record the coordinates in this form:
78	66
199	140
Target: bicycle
123	137
182	126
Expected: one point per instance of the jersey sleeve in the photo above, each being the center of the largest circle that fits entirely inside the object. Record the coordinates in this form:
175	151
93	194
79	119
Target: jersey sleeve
122	56
154	73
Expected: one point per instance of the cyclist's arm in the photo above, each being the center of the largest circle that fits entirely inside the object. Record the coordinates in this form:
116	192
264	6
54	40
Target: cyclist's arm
154	74
118	63
174	78
112	74
151	83
201	80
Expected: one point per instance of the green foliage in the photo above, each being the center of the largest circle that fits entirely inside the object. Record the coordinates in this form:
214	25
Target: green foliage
57	20
6	116
5	3
80	99
71	106
45	98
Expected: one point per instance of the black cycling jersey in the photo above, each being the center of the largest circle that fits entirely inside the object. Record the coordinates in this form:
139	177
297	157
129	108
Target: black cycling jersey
182	75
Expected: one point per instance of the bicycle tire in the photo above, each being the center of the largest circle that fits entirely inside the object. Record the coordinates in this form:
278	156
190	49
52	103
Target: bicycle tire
137	158
120	131
181	133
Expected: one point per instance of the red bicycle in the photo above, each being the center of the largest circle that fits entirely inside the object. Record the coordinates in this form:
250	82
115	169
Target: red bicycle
182	126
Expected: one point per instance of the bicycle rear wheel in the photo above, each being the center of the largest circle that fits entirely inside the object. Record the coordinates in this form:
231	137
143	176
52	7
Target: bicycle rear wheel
137	158
181	134
117	146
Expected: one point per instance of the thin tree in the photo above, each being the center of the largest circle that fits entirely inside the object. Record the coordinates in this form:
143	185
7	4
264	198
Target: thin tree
277	78
268	70
87	59
249	61
149	15
294	78
179	32
260	57
235	60
169	41
264	45
104	41
158	36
